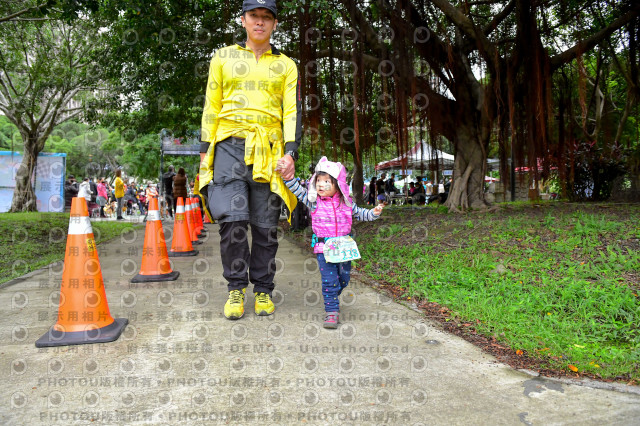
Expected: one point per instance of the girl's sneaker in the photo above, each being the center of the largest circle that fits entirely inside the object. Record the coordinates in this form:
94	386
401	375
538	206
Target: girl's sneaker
331	320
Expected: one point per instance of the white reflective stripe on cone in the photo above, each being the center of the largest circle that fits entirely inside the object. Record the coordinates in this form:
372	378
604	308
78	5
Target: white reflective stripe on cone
180	209
79	225
153	215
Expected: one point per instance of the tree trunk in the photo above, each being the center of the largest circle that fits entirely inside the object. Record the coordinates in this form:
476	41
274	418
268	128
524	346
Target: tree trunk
24	196
635	187
357	181
467	188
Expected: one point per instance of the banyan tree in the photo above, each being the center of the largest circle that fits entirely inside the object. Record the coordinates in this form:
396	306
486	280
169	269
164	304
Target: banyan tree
471	72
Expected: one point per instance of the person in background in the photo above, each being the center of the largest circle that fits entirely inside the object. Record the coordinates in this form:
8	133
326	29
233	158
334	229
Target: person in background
109	189
142	200
94	189
167	188
119	193
390	186
180	185
102	196
70	190
429	189
380	189
371	200
412	189
84	190
131	196
152	192
419	197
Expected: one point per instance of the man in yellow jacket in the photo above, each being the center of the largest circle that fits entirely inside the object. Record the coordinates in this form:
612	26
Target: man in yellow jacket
251	130
119	193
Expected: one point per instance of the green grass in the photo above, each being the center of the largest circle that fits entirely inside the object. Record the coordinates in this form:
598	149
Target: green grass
558	282
29	241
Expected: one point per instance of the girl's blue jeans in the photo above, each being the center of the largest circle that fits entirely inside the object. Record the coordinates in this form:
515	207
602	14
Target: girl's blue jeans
335	277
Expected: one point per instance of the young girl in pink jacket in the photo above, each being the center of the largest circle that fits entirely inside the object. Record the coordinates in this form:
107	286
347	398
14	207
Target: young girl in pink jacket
332	212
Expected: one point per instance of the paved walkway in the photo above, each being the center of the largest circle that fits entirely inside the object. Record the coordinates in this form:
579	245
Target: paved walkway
181	361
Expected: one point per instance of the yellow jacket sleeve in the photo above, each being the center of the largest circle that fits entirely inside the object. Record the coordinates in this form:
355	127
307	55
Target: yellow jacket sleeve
292	109
212	101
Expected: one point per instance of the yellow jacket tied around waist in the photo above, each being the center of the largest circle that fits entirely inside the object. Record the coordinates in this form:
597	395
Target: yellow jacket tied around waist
258	101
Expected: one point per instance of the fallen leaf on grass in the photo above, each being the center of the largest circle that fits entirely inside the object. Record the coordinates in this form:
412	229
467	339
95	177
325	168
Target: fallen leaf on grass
573	368
519	352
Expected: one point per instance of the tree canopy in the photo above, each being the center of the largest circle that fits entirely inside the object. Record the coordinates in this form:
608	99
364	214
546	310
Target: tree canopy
47	76
551	85
474	73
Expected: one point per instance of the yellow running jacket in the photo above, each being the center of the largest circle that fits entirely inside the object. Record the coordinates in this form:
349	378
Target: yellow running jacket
259	101
119	188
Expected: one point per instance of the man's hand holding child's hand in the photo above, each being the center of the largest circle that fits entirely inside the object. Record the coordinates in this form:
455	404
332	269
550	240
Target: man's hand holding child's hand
287	167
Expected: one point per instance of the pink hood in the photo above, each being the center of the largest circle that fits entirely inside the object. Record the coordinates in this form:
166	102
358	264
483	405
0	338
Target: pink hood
336	170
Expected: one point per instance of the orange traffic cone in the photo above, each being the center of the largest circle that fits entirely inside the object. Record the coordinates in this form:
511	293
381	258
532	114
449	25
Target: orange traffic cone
197	218
191	222
181	242
155	261
83	312
198	214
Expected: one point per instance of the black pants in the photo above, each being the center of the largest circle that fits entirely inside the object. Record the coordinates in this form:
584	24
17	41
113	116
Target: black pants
236	201
241	265
168	199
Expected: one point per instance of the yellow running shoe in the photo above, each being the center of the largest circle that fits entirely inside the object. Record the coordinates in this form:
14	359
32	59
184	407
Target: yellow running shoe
264	305
234	308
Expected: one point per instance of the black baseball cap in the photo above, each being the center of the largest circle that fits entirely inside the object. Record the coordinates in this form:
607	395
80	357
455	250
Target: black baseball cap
248	5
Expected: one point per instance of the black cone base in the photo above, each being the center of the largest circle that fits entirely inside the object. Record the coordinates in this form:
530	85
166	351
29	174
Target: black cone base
105	334
196	242
171	276
182	253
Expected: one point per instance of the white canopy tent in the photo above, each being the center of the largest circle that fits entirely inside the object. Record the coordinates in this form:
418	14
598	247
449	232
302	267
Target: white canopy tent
421	156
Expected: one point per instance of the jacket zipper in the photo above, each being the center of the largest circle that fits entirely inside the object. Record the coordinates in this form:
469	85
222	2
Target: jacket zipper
335	216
